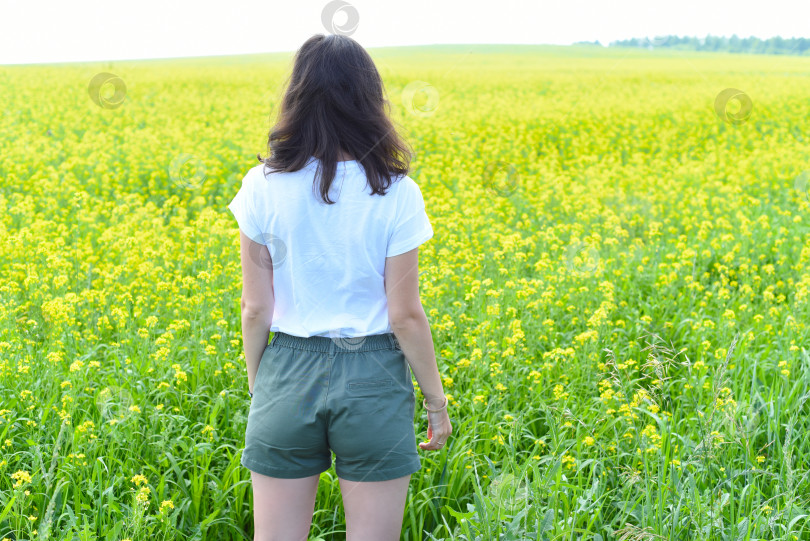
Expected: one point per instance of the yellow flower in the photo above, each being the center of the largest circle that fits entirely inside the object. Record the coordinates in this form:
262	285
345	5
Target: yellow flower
559	392
589	440
138	479
21	477
568	461
142	496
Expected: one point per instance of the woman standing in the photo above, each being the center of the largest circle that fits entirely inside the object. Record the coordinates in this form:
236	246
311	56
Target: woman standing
330	226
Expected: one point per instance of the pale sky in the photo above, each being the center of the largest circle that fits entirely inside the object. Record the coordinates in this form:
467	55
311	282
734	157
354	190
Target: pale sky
34	31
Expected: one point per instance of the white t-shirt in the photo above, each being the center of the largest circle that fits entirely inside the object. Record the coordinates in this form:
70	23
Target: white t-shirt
329	260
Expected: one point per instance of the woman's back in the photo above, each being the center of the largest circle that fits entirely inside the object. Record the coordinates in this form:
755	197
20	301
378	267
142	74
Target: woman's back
329	260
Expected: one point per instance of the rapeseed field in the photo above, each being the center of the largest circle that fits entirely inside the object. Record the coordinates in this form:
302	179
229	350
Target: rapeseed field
618	290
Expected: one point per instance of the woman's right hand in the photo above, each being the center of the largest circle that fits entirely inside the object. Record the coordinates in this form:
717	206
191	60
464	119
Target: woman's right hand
439	429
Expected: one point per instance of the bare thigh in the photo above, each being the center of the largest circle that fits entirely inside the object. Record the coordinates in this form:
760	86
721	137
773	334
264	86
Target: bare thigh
282	508
374	509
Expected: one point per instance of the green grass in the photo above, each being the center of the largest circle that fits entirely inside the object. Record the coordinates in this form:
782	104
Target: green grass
655	388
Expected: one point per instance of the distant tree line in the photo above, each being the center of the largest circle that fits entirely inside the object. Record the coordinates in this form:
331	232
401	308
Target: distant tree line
734	44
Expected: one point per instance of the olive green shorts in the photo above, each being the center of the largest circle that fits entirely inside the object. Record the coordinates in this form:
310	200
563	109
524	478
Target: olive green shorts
315	395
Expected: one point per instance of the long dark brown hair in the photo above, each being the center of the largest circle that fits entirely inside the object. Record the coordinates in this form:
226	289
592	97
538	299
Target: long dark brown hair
335	100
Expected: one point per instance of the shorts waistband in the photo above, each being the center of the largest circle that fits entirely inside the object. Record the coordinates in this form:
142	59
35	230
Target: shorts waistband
326	344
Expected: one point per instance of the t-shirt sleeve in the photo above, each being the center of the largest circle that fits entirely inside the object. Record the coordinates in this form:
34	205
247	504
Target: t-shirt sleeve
411	224
243	209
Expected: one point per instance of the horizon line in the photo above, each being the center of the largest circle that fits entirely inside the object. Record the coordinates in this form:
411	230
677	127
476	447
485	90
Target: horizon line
595	43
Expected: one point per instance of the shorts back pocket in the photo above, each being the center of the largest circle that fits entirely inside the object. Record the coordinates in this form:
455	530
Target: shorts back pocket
370	385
